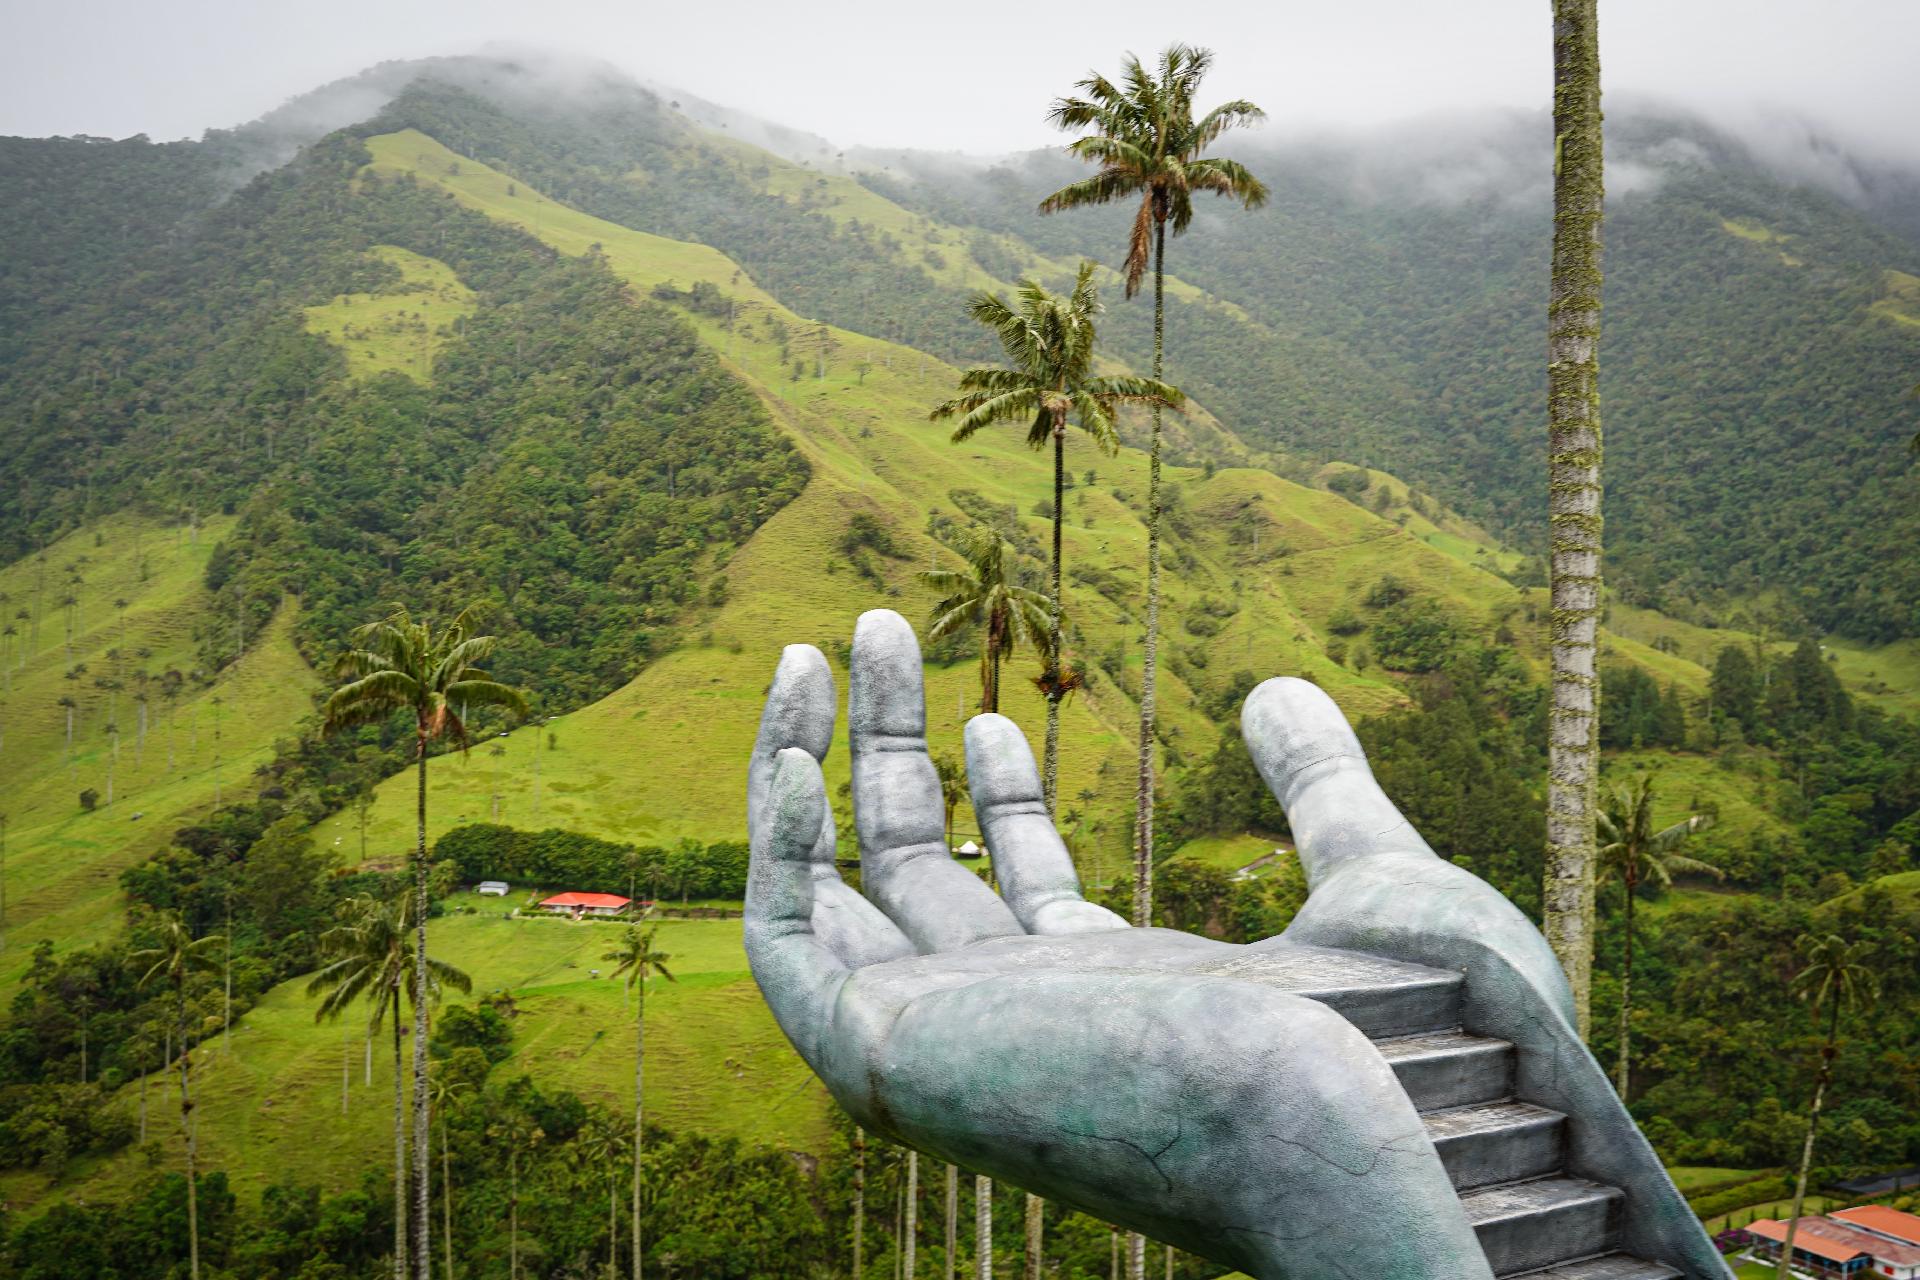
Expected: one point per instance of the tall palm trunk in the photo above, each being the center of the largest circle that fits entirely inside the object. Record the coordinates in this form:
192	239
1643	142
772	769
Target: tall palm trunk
639	1112
422	1139
446	1199
1827	1052
1036	1222
909	1228
513	1208
1143	800
613	1229
982	1228
859	1201
1573	494
953	1217
1050	773
1626	982
399	1150
186	1123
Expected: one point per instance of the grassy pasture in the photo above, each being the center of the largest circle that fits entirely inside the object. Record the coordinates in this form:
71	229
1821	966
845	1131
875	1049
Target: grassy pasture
399	330
137	605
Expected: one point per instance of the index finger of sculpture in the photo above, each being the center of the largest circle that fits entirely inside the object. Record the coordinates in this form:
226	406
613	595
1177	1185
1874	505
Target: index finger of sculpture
1036	873
905	862
1313	763
795	970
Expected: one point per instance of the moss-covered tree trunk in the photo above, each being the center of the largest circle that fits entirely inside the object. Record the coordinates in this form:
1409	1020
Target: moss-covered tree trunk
1143	794
1050	770
422	1139
1036	1226
951	1268
1573	493
639	1107
982	1228
399	1148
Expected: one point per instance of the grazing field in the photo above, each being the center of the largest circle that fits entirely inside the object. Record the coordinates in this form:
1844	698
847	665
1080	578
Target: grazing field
154	749
716	1063
397	330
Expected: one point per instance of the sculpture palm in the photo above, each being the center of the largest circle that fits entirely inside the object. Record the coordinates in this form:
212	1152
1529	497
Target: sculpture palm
1173	1084
1049	341
1144	137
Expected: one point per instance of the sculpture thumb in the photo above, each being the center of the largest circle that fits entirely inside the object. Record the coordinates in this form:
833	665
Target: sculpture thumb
798	974
1313	763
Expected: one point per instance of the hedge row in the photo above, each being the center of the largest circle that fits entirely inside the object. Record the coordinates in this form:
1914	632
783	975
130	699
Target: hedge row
582	863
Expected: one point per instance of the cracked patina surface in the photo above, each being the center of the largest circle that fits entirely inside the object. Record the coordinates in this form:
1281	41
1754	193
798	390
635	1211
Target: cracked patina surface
1281	1107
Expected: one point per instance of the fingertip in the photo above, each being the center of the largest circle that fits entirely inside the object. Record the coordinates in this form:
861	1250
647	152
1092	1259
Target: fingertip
1291	724
1000	762
884	693
800	703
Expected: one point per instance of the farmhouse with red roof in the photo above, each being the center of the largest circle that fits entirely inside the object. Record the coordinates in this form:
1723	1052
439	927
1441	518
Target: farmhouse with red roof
578	905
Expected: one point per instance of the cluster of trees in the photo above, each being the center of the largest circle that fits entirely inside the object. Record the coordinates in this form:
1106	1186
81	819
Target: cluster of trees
575	860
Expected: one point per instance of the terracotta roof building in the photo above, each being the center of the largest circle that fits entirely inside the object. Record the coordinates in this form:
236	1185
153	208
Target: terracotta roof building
1840	1250
1882	1221
586	904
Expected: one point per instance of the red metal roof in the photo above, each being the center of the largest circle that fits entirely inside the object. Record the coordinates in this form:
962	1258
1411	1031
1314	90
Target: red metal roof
1837	1241
1887	1222
586	900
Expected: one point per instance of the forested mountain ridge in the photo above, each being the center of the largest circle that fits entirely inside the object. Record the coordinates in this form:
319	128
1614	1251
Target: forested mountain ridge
1759	342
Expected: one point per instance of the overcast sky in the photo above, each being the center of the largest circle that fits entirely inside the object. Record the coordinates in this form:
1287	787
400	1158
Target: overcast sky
971	75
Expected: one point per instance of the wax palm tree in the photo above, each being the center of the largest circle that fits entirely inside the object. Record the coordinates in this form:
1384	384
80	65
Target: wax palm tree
373	961
174	958
1836	977
401	664
984	594
1143	135
1631	849
1049	341
444	1091
1573	497
517	1132
600	1149
637	958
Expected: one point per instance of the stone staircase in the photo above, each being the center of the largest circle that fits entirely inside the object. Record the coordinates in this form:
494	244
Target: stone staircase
1506	1155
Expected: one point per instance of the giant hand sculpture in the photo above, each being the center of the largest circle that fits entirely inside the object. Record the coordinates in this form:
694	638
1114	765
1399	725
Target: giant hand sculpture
1257	1105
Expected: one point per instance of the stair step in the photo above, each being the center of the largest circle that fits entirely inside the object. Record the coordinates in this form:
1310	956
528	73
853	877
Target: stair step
1528	1226
1380	997
1491	1142
1612	1266
1450	1068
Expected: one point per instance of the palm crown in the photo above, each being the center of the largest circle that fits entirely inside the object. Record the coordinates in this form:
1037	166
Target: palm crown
985	593
177	954
1143	135
1049	341
636	957
400	663
1630	845
373	958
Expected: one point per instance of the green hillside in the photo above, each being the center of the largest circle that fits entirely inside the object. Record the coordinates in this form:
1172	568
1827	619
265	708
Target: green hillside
126	651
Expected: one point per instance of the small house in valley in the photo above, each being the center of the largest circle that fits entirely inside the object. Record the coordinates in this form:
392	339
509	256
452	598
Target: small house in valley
581	905
491	888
